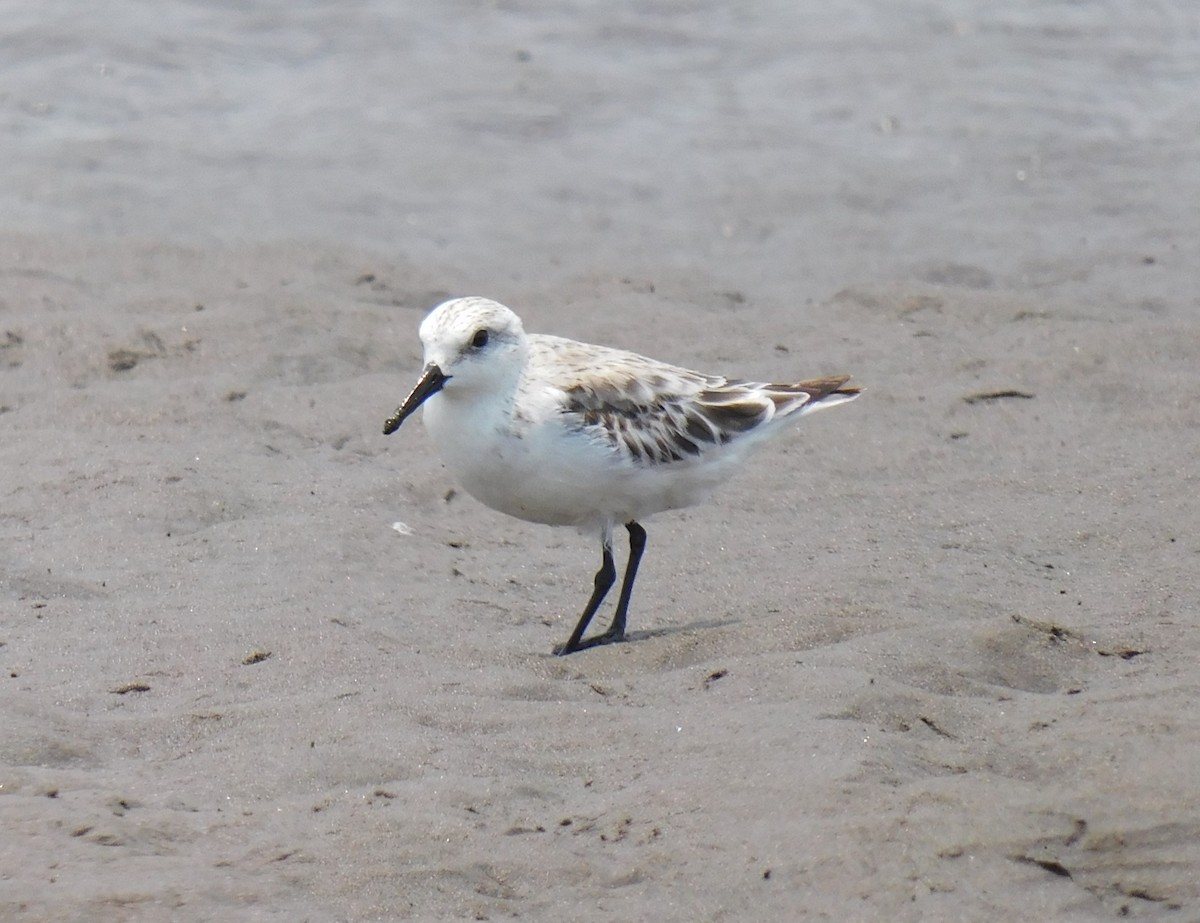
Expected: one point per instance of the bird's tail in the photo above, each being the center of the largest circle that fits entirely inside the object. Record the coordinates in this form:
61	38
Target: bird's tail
814	394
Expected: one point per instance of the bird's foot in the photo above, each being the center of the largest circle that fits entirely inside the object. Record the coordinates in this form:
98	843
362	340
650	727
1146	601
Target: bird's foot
609	637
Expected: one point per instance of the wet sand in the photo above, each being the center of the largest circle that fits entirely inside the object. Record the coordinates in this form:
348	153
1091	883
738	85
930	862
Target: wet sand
934	656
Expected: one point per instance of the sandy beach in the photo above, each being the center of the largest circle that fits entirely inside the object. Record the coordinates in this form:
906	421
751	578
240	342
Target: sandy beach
934	656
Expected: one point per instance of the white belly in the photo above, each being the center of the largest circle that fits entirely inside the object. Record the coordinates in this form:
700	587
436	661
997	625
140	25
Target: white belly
555	475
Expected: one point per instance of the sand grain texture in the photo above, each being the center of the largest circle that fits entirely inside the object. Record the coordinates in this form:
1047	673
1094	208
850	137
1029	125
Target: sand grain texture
934	657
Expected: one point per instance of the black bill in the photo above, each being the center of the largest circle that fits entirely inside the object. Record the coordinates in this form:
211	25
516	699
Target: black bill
430	384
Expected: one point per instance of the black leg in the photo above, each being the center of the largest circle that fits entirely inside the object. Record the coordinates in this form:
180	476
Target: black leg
605	577
637	544
604	581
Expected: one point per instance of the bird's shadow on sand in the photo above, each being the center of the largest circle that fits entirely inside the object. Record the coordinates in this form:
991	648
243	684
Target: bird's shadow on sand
649	634
645	634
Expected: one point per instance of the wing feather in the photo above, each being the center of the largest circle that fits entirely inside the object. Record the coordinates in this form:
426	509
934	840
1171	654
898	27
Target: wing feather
658	414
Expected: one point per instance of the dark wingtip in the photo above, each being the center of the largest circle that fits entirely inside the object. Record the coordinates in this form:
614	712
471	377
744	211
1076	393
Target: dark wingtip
820	388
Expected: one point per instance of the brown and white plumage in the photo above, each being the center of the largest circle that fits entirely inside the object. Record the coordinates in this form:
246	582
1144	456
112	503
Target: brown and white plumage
565	433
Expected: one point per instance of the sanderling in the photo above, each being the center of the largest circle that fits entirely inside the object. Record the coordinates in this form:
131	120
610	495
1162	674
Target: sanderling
569	434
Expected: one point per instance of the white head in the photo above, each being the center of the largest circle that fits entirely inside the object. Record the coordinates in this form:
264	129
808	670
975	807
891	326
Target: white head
471	345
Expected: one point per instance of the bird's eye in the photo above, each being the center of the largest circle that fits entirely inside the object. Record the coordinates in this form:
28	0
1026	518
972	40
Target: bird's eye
480	339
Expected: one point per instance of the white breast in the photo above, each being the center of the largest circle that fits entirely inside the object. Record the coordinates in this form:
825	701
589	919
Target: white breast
545	472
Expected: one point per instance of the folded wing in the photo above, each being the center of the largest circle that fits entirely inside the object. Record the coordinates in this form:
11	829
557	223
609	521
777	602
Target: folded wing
676	415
